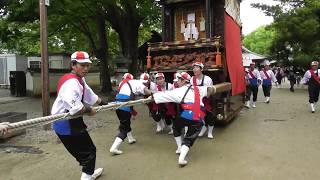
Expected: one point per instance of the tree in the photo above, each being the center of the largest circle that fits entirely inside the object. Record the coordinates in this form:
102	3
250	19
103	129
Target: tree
69	21
126	17
81	24
297	26
260	40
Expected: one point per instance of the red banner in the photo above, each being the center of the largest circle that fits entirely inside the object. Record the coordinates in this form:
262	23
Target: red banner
234	55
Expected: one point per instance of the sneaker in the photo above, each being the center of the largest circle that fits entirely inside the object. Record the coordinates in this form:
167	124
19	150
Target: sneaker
254	105
97	173
247	104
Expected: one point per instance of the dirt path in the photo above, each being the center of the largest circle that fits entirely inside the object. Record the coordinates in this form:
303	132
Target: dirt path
275	141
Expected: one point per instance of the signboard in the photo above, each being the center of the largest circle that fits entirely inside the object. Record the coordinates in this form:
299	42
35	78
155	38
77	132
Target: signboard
47	2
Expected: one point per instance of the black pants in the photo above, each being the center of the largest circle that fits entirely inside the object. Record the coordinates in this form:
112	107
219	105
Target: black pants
313	94
254	91
292	82
266	90
209	119
125	123
161	113
158	115
81	147
279	80
194	128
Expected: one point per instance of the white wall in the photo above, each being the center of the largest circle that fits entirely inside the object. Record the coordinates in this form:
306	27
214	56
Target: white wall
29	82
34	84
60	61
21	63
11	65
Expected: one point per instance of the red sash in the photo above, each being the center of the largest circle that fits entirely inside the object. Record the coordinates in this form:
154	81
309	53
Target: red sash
194	81
123	82
314	76
195	107
68	76
252	76
266	74
205	100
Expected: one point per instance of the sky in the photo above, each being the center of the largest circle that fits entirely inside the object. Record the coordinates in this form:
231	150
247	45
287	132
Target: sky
252	18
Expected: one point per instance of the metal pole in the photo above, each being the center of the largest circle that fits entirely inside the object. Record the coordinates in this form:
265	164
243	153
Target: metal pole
44	58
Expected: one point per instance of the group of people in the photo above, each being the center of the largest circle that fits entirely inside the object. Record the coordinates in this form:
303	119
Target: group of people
182	105
254	78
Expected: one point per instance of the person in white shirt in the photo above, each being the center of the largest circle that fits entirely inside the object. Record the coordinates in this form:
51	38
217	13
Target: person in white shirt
267	77
246	78
191	115
312	79
199	79
128	88
255	80
165	111
76	97
149	84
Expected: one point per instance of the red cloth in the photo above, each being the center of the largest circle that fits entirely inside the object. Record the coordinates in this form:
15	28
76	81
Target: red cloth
196	115
171	111
205	100
207	104
66	77
266	74
315	77
196	106
234	55
251	75
194	81
122	83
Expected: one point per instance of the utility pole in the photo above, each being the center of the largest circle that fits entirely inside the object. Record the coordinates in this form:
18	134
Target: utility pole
44	58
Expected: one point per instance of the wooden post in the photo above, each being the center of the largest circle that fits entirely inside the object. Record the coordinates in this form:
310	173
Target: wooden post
44	58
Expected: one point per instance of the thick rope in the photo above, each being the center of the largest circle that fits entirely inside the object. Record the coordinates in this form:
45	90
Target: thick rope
111	106
56	117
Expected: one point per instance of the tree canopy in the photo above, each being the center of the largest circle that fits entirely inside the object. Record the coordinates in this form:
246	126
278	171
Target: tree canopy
260	40
104	28
297	31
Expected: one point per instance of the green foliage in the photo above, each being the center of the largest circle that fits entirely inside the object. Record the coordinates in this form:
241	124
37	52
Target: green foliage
260	40
69	24
297	27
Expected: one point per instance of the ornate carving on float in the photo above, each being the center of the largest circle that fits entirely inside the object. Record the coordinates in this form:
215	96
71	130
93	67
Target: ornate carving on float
184	61
178	55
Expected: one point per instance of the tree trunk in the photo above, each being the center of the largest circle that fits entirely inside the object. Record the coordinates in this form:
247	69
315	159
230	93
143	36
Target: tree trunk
102	54
129	43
